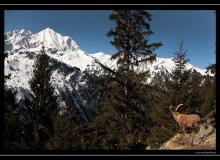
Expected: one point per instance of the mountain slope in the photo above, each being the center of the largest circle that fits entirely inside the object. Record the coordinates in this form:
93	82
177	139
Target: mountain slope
23	46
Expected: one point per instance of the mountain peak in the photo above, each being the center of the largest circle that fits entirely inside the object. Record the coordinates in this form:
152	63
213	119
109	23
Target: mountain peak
20	32
51	39
48	29
21	38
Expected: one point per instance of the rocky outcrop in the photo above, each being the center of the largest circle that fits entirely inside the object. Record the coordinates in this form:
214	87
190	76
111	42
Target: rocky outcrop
204	139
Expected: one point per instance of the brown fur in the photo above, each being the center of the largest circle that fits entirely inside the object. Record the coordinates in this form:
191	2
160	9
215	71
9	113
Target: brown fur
187	121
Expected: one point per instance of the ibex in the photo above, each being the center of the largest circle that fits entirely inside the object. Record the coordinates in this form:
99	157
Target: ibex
185	121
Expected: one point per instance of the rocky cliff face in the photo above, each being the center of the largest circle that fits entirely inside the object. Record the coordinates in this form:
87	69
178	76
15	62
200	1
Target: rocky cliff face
204	139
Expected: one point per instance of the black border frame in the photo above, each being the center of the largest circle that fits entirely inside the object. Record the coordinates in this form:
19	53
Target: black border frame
109	7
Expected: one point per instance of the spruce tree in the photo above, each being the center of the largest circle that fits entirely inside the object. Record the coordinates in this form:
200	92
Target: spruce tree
212	69
208	92
12	124
193	89
44	106
131	37
125	112
67	126
185	85
181	86
177	86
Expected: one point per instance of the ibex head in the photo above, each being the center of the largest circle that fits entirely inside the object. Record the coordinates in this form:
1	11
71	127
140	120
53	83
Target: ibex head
185	121
175	113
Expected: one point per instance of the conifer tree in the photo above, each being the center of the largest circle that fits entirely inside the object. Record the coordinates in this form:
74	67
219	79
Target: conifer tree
44	106
181	86
208	92
125	110
185	85
67	127
130	37
12	124
177	86
212	68
193	89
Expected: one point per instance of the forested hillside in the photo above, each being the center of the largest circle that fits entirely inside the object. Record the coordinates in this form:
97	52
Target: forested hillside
66	99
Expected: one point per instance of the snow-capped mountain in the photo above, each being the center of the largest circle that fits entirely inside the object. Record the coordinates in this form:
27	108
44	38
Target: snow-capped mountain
67	58
21	39
51	39
22	47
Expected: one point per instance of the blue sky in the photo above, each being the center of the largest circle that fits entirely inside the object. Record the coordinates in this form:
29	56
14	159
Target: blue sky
89	27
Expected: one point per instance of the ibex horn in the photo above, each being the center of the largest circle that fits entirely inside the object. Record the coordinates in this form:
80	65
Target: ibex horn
171	108
178	106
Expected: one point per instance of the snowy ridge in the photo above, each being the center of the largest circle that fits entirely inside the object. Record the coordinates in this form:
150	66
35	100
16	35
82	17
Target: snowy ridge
169	65
104	59
21	39
51	39
17	39
23	46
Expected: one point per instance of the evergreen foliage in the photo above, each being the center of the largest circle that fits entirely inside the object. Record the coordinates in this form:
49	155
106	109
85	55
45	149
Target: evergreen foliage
212	69
43	108
125	112
178	78
12	125
114	109
209	91
67	129
130	37
181	86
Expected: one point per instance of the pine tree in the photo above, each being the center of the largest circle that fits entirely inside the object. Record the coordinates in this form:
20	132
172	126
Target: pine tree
125	112
185	85
208	92
162	126
131	37
12	124
67	126
44	106
177	86
212	69
181	86
193	89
